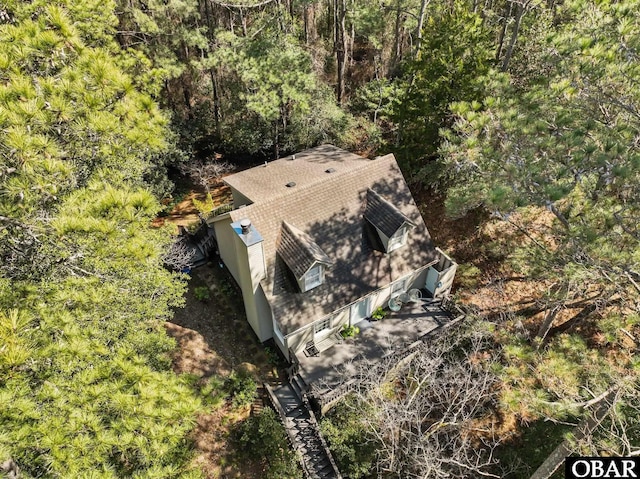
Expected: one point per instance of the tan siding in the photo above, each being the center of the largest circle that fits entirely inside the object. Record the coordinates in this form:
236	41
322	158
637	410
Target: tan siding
256	264
226	238
239	199
263	316
298	341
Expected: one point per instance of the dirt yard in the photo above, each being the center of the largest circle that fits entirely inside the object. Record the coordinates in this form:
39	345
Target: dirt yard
214	338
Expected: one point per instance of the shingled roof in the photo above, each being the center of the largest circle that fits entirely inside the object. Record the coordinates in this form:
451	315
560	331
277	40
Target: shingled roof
263	182
299	251
330	209
384	215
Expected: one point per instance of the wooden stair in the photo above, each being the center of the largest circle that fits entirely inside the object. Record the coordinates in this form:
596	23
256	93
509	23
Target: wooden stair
303	430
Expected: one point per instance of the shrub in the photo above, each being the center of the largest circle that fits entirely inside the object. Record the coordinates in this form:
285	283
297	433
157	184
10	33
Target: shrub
205	206
468	276
242	389
351	443
212	391
272	356
349	331
378	313
201	293
262	437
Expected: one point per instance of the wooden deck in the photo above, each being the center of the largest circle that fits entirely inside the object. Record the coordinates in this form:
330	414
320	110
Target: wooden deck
376	340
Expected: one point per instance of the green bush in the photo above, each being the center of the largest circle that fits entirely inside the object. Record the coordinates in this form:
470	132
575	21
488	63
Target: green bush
468	276
262	437
272	356
201	293
205	206
349	331
349	440
212	391
378	313
242	389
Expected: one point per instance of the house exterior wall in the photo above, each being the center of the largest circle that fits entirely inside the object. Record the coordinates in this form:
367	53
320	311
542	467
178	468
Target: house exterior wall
257	267
445	281
246	265
440	276
384	238
279	339
225	236
239	199
298	340
262	318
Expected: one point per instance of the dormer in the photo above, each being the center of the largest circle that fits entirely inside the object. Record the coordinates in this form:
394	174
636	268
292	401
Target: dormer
390	223
304	258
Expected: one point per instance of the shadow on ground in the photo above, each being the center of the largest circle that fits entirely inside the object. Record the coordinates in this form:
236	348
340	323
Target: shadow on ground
213	335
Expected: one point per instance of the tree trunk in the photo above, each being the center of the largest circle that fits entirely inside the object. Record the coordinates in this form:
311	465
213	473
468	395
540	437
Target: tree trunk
276	140
584	429
216	101
341	47
305	19
397	40
546	324
514	36
423	10
503	30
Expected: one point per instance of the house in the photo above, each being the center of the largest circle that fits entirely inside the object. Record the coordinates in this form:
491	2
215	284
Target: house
322	238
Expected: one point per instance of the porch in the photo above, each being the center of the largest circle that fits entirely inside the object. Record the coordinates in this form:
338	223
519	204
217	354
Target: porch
377	339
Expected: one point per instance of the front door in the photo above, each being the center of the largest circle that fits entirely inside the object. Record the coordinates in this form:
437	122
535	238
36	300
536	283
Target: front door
360	310
432	280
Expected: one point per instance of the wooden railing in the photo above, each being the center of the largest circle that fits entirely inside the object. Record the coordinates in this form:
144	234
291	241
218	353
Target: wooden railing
295	364
275	404
326	400
325	446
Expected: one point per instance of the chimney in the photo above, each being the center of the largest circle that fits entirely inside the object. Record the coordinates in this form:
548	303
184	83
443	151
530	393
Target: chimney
250	252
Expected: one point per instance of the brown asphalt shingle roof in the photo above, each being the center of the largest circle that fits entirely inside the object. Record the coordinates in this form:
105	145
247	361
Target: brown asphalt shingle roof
383	214
330	211
299	251
263	182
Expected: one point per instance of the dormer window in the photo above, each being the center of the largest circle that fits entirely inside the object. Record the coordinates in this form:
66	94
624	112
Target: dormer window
304	258
390	223
313	278
397	240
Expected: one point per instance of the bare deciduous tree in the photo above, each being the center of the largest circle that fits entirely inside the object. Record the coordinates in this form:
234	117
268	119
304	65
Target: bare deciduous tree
204	173
180	255
431	417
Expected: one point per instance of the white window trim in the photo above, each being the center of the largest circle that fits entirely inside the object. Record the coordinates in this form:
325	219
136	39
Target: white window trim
325	323
398	287
398	240
310	275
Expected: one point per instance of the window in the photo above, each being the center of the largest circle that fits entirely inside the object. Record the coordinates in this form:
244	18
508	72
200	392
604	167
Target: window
398	288
313	278
397	240
322	325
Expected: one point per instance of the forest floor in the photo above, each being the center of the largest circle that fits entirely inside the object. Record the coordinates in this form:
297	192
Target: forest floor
214	338
487	283
182	210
